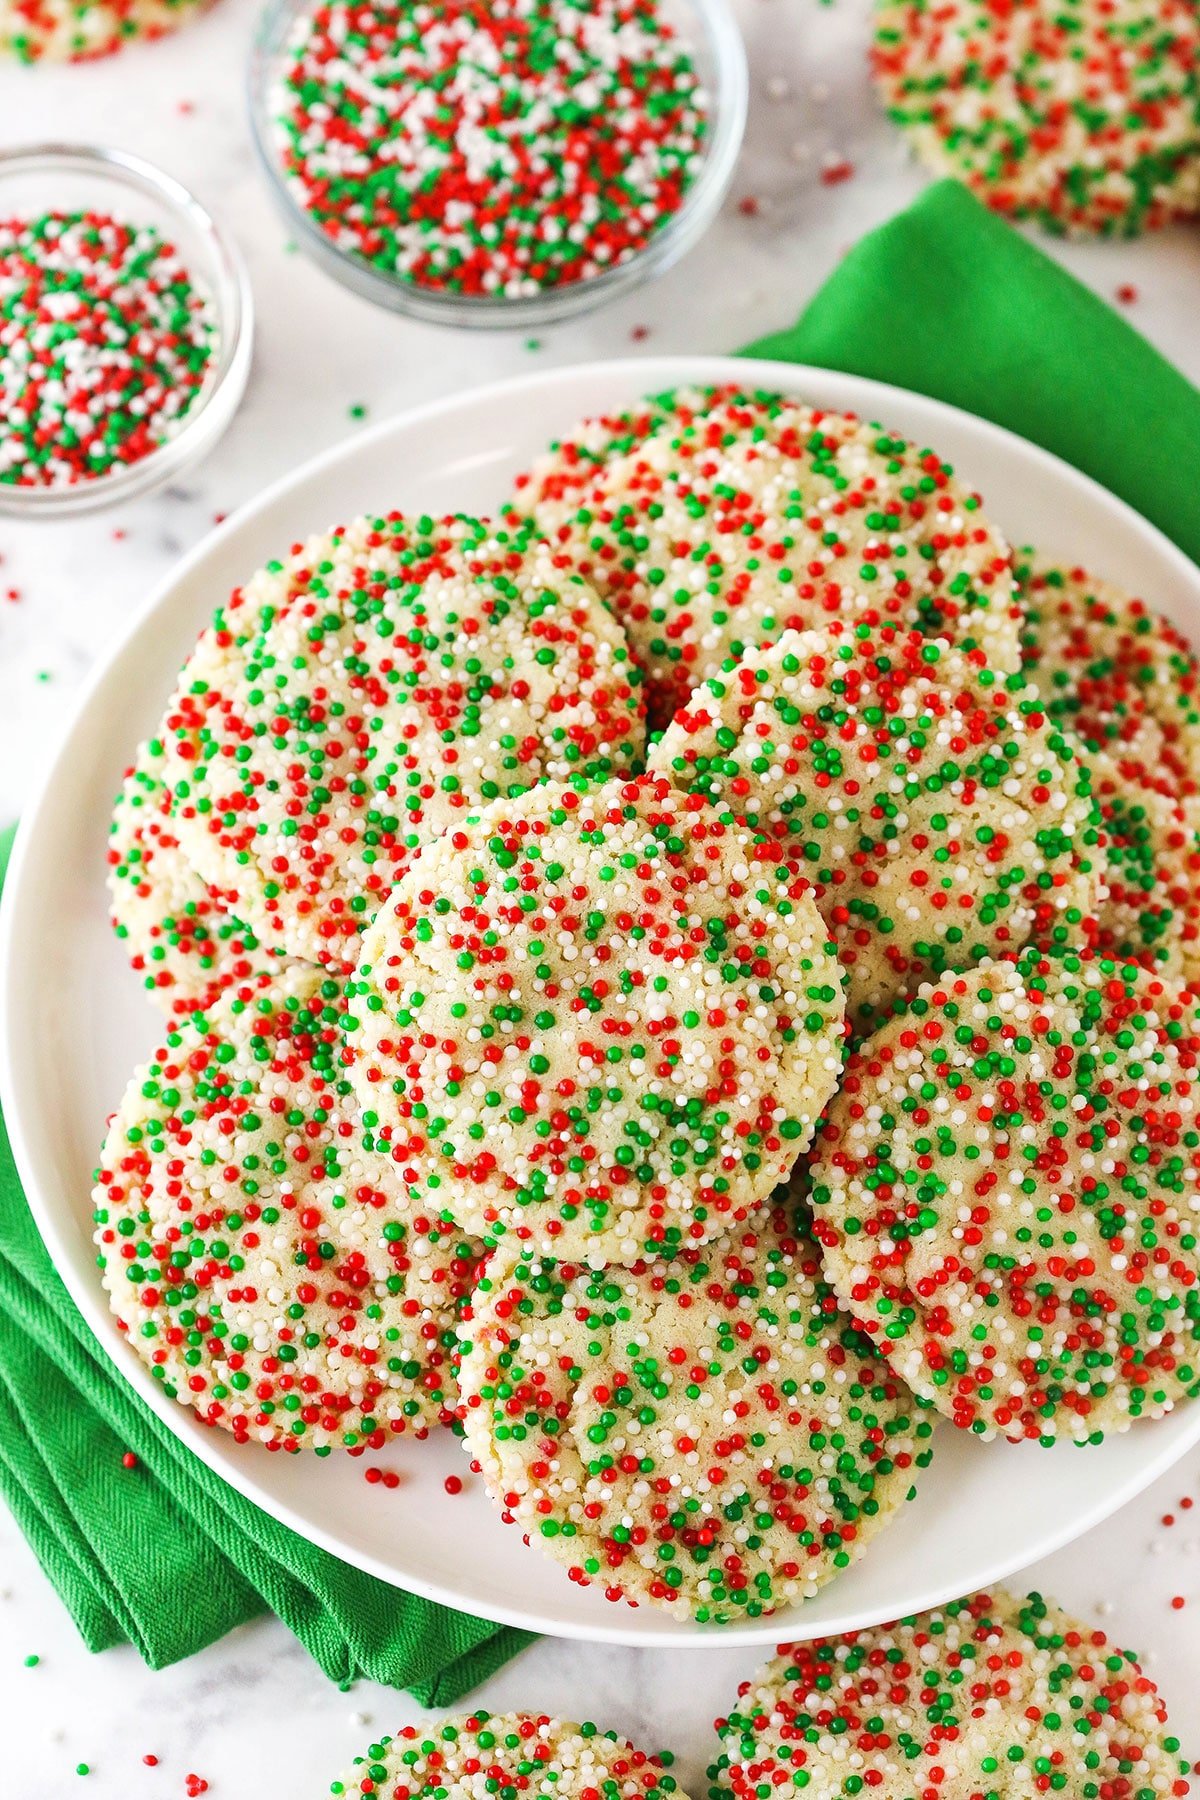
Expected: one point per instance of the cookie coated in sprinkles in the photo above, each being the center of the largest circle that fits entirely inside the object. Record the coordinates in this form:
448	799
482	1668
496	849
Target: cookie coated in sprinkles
1005	1190
994	1697
1113	670
601	1021
186	946
501	1756
708	1433
752	514
1083	115
261	1263
1117	672
359	695
939	814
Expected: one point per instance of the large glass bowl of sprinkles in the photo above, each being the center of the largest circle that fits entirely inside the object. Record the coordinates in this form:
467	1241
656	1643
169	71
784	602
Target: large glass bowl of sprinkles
497	162
126	322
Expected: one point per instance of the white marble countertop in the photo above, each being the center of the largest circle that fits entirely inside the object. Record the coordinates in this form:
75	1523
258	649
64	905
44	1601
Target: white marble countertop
252	1715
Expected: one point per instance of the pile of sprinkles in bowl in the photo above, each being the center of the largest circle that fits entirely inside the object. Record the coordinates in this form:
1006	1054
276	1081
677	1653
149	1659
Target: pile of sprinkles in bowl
105	341
489	147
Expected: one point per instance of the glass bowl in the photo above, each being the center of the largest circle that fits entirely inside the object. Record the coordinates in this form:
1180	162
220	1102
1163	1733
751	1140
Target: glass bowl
73	177
707	29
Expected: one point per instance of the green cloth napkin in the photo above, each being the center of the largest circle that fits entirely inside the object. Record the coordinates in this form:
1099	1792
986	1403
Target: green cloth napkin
166	1555
949	300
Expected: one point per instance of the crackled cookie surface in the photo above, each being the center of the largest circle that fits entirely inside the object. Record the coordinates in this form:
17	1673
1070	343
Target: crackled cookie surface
355	698
1005	1191
1081	114
601	1021
187	947
258	1259
732	517
483	1755
709	1433
939	814
988	1697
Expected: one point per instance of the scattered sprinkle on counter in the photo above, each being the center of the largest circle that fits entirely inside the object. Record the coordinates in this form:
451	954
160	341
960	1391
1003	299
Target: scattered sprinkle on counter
988	1696
105	343
489	147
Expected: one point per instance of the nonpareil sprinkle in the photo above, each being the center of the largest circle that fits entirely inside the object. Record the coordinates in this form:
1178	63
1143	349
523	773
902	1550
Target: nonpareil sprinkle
105	342
489	147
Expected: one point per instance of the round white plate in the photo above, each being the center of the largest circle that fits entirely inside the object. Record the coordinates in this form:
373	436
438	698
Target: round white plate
75	1021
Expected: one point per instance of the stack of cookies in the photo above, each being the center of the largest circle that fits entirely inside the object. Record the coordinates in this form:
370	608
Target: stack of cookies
685	985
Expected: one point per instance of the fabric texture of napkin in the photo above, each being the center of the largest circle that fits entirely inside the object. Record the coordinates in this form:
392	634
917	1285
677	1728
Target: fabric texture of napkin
944	299
951	301
166	1555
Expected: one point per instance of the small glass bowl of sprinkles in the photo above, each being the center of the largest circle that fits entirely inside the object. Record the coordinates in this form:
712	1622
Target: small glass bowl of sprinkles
126	324
497	162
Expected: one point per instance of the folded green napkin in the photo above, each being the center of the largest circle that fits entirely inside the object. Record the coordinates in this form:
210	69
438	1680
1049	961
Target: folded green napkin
165	1555
949	300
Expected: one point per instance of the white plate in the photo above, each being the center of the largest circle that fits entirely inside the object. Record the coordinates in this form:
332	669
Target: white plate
75	1022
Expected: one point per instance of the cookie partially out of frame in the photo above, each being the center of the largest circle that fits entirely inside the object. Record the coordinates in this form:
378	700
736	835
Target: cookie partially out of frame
35	31
1083	115
484	1755
993	1697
